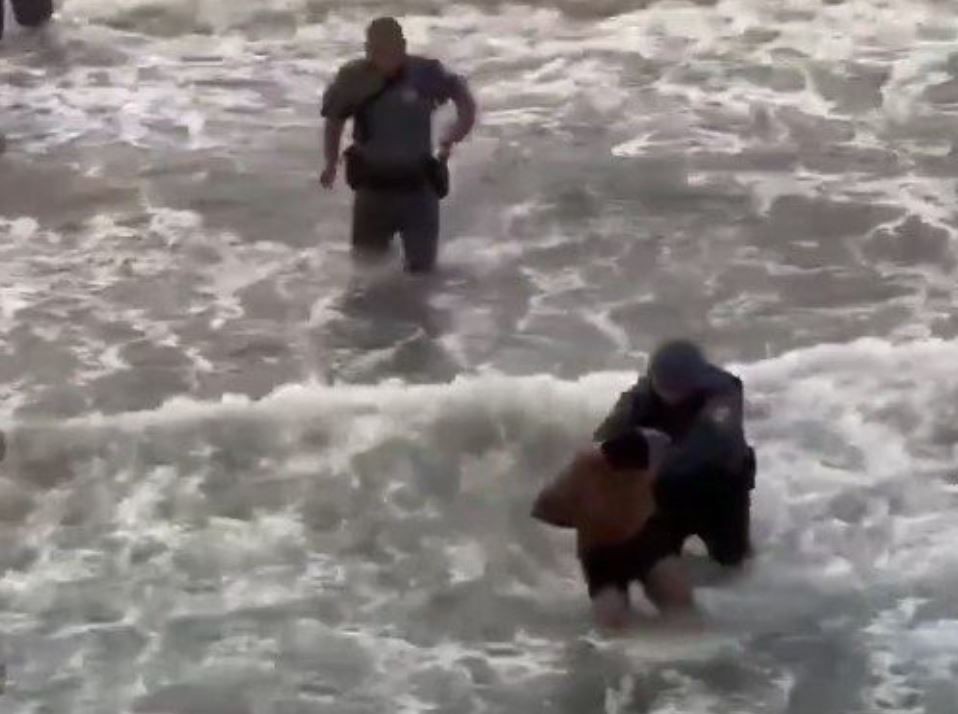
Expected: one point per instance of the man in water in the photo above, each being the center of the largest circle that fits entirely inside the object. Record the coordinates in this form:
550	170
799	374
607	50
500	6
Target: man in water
606	496
704	485
398	182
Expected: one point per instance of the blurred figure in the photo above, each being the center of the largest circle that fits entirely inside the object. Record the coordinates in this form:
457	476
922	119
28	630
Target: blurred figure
606	496
398	180
28	13
704	485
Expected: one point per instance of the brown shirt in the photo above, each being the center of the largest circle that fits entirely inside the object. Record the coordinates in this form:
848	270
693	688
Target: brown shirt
604	506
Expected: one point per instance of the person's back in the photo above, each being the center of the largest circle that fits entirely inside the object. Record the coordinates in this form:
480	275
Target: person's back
603	505
606	496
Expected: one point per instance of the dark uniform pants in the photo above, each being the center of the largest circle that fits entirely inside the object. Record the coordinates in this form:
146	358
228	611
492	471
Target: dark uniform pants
378	214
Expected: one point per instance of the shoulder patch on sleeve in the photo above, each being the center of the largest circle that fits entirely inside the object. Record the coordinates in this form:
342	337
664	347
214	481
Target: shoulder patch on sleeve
721	414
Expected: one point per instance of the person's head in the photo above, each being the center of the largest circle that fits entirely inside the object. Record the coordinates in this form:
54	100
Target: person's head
635	450
385	45
676	370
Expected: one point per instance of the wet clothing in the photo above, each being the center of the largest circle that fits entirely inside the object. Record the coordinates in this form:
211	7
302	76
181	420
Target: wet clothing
28	13
378	215
398	181
707	429
619	564
392	117
703	486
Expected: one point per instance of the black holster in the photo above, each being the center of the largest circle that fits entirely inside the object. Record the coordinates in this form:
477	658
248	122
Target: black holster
437	171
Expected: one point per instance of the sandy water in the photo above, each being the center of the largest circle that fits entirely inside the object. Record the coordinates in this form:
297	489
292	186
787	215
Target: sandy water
245	476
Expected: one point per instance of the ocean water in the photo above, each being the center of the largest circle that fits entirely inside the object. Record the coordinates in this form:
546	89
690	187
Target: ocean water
246	476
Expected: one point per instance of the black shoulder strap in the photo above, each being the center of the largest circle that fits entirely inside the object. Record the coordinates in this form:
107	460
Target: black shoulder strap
360	120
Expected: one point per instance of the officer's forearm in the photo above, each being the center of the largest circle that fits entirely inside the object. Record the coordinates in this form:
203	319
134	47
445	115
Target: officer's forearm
630	411
704	448
465	115
707	451
332	137
618	420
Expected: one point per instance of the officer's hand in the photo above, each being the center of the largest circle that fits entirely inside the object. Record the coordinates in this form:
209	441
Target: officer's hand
328	177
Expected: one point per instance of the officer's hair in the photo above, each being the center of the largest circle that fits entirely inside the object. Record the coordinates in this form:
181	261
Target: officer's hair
384	26
627	451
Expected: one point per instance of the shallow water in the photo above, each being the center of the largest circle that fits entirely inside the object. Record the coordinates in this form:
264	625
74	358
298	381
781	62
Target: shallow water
246	476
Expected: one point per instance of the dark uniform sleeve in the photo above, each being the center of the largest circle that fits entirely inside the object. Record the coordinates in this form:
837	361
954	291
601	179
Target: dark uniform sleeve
333	106
712	454
439	83
631	410
352	84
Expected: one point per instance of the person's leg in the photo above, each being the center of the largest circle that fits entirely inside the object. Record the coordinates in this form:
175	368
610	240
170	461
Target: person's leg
656	563
374	224
668	588
610	608
608	585
419	229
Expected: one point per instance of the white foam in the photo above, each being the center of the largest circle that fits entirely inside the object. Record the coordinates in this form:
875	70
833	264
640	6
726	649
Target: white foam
850	497
843	390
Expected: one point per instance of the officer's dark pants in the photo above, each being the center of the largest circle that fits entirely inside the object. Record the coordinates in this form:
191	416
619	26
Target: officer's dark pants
714	506
378	214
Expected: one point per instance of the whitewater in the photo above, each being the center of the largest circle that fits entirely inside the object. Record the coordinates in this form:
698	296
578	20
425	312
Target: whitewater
245	476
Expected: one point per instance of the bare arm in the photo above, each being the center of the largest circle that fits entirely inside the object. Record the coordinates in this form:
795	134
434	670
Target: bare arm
465	103
332	139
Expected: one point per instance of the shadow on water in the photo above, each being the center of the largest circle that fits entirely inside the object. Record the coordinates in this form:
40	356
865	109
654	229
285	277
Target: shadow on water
386	323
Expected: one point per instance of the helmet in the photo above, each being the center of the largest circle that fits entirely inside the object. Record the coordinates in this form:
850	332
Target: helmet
677	367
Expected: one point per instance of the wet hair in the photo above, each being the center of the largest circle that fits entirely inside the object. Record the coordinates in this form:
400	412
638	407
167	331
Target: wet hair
677	365
627	451
383	27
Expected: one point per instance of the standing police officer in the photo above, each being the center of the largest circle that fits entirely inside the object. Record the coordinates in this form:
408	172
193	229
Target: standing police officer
391	166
